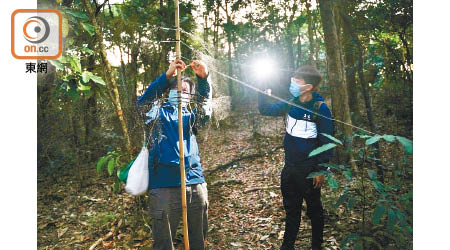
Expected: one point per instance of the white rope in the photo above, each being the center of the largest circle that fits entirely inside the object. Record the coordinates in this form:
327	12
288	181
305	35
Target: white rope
211	67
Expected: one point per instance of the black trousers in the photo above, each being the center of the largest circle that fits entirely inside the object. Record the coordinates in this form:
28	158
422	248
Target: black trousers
295	187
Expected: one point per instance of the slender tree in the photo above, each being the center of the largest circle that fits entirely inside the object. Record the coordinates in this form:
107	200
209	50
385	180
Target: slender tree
110	80
336	72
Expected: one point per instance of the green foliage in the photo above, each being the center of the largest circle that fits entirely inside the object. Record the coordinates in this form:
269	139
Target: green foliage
372	174
351	237
406	143
332	138
89	28
101	162
377	213
97	79
75	81
76	14
332	182
341	199
321	149
392	219
390	212
114	162
389	138
373	139
111	164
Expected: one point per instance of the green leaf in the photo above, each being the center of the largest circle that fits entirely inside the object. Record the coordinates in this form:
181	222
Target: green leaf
315	174
373	139
89	28
391	219
101	162
406	143
77	14
406	196
116	186
57	64
378	185
348	174
389	138
401	218
97	79
86	76
372	174
322	149
75	63
87	50
63	59
350	203
84	87
341	199
332	182
347	238
73	93
377	213
111	166
362	136
332	138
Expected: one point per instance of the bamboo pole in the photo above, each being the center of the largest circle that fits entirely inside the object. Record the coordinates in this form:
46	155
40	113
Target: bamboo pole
180	131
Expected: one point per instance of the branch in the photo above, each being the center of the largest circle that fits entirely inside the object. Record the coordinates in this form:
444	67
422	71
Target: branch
99	7
100	240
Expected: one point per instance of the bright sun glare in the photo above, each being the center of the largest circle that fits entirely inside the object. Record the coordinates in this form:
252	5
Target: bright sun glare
263	67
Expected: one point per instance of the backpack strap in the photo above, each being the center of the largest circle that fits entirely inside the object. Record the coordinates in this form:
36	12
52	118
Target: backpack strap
316	108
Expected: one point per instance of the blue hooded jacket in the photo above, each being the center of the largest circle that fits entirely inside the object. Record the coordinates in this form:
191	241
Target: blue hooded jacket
302	134
164	158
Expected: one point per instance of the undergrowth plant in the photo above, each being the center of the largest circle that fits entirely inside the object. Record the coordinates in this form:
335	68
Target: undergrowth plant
387	222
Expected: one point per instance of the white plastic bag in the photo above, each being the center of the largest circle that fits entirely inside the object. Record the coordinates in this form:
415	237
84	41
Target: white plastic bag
137	181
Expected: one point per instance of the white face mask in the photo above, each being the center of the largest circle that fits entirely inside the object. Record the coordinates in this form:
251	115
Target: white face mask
173	98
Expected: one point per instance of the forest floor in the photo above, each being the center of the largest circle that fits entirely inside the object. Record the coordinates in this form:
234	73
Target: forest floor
245	202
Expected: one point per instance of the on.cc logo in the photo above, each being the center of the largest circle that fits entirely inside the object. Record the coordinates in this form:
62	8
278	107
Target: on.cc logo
36	34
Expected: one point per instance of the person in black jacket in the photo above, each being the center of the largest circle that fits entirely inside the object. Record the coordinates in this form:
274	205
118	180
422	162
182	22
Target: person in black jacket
304	133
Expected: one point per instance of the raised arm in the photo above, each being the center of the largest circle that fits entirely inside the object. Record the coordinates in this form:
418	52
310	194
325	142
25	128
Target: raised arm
154	90
274	109
160	84
204	90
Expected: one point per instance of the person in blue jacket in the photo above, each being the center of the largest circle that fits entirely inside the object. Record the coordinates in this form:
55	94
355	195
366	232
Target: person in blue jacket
304	133
164	172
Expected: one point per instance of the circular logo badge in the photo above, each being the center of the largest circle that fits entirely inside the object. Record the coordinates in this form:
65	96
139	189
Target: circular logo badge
40	27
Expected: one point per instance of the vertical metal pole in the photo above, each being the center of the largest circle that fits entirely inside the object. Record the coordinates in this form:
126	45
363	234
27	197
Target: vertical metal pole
180	131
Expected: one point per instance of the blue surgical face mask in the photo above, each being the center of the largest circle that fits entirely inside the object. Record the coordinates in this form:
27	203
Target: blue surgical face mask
173	98
294	88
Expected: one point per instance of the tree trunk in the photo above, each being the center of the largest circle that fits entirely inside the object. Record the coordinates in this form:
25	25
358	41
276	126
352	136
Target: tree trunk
365	89
290	50
230	66
336	75
299	51
110	80
349	51
216	31
312	49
